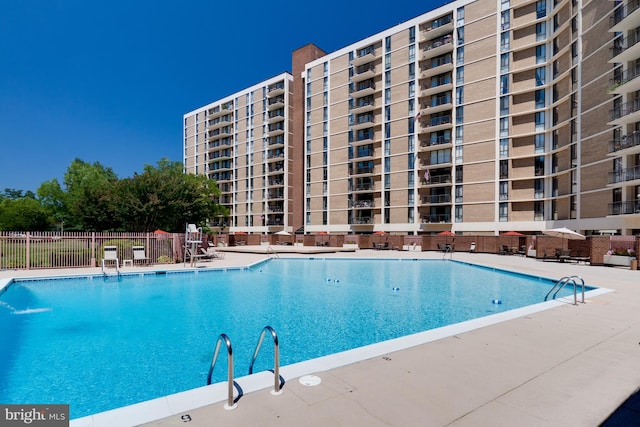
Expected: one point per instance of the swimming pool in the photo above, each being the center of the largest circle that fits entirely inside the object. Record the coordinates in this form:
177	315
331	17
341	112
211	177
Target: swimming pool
100	344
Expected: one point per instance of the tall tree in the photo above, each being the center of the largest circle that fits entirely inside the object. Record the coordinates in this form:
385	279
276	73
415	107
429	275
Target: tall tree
53	200
166	198
90	196
23	214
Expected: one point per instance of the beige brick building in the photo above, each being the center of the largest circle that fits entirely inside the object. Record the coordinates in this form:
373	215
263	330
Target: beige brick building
479	116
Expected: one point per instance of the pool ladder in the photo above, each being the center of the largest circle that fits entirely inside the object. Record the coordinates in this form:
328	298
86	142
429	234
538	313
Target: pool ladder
560	284
277	389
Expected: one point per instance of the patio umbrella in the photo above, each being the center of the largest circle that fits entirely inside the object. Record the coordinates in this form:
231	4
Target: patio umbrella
446	233
564	233
283	233
513	234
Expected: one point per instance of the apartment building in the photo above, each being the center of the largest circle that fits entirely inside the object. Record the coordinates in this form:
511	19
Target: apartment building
243	143
479	116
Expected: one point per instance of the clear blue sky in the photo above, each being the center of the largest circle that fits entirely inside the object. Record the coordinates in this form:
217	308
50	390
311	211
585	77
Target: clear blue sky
109	81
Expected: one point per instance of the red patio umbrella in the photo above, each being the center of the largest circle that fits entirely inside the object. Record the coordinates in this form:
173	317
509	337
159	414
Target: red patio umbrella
513	234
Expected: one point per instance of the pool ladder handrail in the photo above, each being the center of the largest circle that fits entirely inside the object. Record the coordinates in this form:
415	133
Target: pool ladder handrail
560	284
448	249
277	390
270	251
223	337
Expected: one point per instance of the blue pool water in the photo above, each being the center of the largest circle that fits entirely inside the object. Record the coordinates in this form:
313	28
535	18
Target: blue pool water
98	344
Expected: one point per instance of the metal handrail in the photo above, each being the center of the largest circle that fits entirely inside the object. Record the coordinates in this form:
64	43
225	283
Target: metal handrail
276	358
223	337
560	284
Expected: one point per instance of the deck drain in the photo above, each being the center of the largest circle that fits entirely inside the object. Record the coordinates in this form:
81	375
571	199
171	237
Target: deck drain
310	380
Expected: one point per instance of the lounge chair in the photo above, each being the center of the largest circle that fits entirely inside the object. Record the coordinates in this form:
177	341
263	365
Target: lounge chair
472	248
211	253
140	255
110	254
194	256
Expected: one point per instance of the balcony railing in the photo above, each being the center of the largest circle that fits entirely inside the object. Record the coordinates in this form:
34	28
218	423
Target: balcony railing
624	142
437	198
436	218
624	175
626	76
621	44
363	220
625	208
623	11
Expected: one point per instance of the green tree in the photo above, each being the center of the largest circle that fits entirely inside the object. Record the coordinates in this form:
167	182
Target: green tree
23	214
90	198
53	200
165	197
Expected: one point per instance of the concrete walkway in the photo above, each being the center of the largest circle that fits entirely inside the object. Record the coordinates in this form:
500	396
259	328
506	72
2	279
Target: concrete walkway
567	366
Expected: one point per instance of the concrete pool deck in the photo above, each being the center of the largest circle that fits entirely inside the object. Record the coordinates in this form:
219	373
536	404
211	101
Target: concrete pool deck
569	365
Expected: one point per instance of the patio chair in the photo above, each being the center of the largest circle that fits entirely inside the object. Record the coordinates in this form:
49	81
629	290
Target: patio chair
140	255
211	253
110	254
472	248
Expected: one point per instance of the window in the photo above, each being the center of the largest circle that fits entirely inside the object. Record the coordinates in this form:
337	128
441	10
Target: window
539	116
540	96
410	179
410	161
460	35
504	41
541	9
387	147
411	108
504	126
412	53
460	55
505	4
505	19
541	53
459	115
387	96
504	169
504	212
538	188
458	193
504	62
504	190
412	71
504	84
325	68
539	143
504	105
412	35
387	61
412	89
504	148
540	76
458	213
459	75
459	134
459	153
541	31
460	16
459	95
387	43
440	156
387	78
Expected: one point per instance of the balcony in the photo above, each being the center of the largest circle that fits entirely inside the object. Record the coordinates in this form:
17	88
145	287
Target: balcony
363	88
436	68
219	122
364	121
625	208
362	220
276	116
627	82
436	218
275	90
624	175
626	142
437	199
627	113
220	133
276	141
625	49
437	180
275	129
438	27
275	103
366	187
363	171
364	105
435	144
625	17
364	72
364	56
438	47
221	110
362	204
435	124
